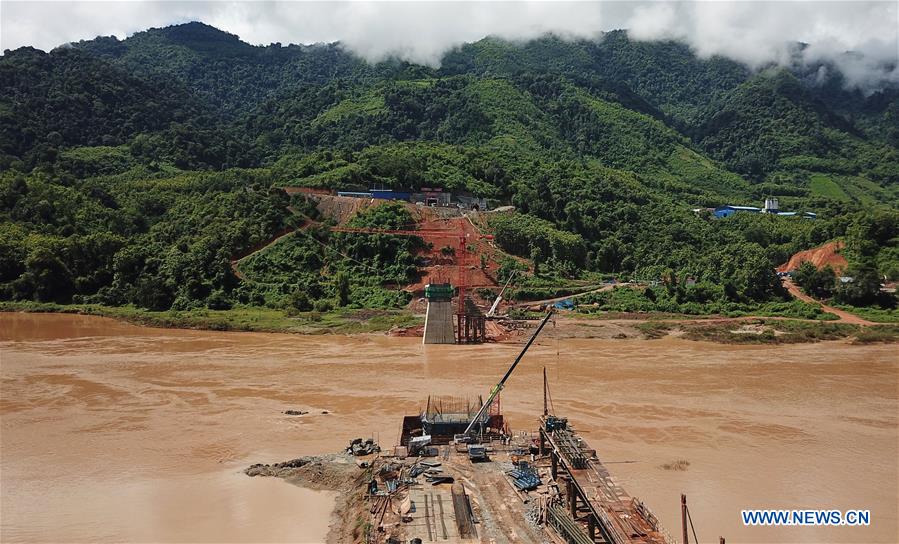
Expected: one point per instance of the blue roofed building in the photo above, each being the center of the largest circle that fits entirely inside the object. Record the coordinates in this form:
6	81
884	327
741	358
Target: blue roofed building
388	194
772	206
729	210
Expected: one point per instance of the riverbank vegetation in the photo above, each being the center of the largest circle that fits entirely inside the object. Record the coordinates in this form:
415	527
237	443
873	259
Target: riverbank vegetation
752	330
783	331
875	314
693	300
255	319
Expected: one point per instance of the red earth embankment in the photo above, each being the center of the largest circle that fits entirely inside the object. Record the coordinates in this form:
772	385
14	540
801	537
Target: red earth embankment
457	251
821	256
444	256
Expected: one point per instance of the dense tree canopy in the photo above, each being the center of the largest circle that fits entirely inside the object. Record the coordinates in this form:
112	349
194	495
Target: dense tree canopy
135	171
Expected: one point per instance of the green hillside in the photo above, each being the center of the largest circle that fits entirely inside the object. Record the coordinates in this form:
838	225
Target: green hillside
132	172
771	128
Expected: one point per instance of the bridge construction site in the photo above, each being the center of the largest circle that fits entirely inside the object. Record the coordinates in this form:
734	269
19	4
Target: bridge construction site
450	496
591	499
460	474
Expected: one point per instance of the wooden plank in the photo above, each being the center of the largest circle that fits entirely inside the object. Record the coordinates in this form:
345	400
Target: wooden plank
461	507
428	520
442	520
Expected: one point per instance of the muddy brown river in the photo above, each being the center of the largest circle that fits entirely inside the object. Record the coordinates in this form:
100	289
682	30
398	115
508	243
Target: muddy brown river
111	432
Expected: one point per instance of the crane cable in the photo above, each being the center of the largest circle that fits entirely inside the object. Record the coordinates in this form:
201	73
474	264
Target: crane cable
558	357
549	394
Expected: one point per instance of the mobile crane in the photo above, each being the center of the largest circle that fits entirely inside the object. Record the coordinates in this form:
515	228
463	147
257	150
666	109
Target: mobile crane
476	451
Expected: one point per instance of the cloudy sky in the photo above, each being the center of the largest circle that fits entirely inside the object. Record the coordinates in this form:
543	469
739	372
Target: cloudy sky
753	32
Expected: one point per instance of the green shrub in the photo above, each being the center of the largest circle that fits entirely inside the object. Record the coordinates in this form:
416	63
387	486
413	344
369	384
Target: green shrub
323	305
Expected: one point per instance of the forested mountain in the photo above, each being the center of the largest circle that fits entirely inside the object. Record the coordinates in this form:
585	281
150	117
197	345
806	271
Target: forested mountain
70	98
133	170
227	73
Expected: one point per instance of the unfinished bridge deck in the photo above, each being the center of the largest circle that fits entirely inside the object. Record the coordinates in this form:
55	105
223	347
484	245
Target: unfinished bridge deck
593	493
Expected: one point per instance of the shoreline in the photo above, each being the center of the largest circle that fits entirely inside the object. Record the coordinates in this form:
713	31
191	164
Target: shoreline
755	330
332	472
242	319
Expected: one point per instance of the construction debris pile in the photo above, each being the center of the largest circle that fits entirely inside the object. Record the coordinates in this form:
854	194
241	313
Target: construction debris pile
414	498
275	469
358	447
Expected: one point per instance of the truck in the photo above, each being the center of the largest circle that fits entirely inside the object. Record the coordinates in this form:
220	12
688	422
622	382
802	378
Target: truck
477	453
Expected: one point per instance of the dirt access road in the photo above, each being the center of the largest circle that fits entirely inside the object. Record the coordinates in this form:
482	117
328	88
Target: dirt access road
845	317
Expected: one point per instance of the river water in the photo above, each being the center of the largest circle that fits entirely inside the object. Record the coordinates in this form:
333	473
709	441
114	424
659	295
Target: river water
112	432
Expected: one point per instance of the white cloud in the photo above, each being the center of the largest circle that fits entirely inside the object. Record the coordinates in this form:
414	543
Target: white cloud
753	32
655	22
759	33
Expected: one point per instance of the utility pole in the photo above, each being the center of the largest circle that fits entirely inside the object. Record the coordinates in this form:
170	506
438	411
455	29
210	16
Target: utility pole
545	410
683	517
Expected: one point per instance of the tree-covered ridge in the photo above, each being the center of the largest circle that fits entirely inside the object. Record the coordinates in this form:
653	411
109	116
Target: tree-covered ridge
257	102
154	240
666	75
316	268
875	113
134	171
69	98
518	119
772	124
407	165
230	74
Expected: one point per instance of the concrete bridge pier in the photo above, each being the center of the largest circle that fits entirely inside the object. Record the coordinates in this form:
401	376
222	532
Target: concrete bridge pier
439	323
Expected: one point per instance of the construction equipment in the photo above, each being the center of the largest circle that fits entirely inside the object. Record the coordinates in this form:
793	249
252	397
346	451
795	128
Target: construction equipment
492	311
420	447
499	386
477	452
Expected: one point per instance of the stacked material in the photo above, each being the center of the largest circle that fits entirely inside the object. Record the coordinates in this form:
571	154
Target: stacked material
524	477
462	509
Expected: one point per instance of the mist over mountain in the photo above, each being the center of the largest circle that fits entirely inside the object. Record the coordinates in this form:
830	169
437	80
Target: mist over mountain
861	38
